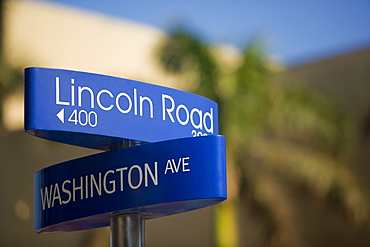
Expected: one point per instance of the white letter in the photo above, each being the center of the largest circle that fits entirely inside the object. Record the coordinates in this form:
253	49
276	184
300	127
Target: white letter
168	167
129	103
178	115
93	184
150	105
111	182
200	113
74	188
72	92
210	116
164	97
98	99
177	168
66	191
87	187
185	164
154	177
56	195
80	90
135	101
57	92
46	198
140	177
121	175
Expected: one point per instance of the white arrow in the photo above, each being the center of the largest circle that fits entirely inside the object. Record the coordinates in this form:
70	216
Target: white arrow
60	115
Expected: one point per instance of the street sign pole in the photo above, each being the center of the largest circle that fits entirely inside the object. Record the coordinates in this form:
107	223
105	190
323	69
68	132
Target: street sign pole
127	229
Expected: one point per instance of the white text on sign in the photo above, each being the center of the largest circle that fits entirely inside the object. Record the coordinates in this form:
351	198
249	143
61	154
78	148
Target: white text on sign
108	182
82	96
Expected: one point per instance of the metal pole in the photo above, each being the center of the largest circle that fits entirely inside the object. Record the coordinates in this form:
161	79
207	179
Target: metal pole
127	230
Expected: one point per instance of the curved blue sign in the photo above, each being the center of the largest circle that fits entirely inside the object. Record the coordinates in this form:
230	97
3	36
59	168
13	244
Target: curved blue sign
157	179
98	111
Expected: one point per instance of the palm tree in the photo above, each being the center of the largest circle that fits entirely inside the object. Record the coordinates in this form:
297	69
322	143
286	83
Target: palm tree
279	135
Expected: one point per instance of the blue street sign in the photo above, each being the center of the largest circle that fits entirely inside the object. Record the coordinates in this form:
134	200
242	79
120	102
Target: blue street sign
157	179
100	112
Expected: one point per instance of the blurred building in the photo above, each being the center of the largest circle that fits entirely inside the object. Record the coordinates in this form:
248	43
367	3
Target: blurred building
346	79
43	34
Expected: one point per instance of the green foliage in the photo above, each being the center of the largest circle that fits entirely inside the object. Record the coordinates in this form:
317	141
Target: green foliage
276	133
187	53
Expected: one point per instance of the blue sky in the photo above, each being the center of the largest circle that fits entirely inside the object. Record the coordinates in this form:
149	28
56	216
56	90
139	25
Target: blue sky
296	31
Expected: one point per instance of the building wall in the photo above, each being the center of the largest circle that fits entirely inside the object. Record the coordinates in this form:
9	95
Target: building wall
43	34
346	79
